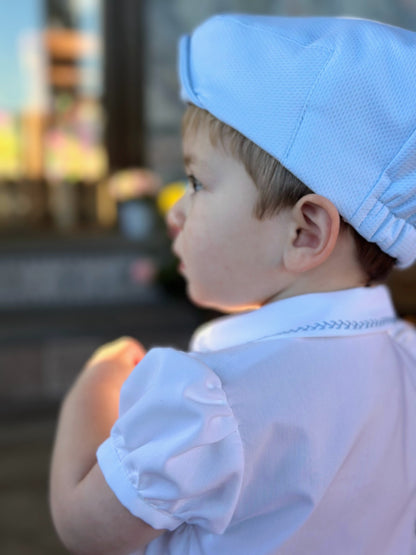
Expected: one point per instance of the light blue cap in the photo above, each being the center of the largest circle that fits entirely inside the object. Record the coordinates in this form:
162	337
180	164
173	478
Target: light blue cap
333	99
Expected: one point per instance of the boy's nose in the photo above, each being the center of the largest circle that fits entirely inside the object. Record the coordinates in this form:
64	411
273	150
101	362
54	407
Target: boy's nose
176	218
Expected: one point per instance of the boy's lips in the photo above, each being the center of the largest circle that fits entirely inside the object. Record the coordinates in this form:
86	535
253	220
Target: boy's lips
181	265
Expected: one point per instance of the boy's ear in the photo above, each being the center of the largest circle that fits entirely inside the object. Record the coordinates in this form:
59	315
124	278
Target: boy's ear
314	232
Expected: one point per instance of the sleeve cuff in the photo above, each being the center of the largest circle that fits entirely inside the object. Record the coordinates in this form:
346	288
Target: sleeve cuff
117	479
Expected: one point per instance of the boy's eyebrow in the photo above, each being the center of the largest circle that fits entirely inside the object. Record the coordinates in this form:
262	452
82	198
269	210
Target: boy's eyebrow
195	160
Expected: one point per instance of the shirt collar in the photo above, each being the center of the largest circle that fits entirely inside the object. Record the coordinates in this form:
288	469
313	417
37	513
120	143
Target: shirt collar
338	313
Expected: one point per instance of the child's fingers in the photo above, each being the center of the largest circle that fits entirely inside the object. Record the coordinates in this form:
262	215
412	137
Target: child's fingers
123	349
132	348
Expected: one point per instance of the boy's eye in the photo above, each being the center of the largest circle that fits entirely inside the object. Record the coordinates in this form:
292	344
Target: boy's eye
194	183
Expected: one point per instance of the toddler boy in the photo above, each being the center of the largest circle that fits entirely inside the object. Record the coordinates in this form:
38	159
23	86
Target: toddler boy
289	429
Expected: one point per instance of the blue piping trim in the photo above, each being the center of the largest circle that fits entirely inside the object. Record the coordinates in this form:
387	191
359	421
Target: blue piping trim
350	325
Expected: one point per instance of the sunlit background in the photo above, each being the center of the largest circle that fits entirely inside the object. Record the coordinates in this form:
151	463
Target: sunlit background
90	161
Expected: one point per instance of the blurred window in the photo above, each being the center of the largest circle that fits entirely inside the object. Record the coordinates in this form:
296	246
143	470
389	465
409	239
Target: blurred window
52	155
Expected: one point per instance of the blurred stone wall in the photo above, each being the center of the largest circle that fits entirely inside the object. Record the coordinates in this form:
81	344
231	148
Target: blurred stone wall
167	20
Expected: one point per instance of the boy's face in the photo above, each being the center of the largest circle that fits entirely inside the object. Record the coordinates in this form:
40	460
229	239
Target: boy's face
230	259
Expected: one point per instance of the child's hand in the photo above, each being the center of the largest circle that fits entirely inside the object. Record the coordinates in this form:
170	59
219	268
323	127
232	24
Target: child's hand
124	349
114	361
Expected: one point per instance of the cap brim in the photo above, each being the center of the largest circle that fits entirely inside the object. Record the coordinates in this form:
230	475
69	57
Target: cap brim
184	69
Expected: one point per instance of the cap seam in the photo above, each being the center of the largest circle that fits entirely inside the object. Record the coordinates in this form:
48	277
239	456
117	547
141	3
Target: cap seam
305	107
279	34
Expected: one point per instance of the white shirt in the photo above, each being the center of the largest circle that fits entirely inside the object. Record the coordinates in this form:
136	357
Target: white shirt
290	430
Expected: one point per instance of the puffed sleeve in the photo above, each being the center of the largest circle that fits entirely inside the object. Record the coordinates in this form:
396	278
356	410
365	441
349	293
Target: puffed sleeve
175	454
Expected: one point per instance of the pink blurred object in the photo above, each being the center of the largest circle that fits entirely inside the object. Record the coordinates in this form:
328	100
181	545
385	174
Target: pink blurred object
143	270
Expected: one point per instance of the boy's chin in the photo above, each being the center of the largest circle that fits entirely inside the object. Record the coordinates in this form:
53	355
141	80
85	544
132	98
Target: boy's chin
219	305
203	302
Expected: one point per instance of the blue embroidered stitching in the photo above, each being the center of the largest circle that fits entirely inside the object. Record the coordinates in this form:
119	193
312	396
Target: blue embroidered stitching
341	324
